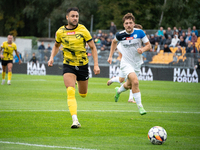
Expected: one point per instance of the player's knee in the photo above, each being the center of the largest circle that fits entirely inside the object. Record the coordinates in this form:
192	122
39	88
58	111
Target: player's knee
135	83
83	95
121	79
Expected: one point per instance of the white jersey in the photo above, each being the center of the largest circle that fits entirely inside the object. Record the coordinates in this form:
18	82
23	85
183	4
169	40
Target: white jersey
128	45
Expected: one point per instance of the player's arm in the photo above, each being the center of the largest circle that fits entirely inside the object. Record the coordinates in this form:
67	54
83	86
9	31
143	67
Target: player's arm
145	48
53	53
18	56
112	50
1	49
95	56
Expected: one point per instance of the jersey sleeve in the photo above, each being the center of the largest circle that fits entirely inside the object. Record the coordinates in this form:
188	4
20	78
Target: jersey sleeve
15	47
144	37
87	35
2	45
117	37
57	36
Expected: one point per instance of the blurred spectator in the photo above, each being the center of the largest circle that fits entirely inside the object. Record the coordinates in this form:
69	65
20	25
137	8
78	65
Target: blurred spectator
188	30
175	29
179	51
175	41
175	32
111	36
195	30
41	47
160	32
194	48
97	43
16	59
103	41
113	28
156	47
179	31
46	55
190	48
94	37
169	32
166	49
152	39
168	40
33	59
157	38
108	42
105	36
194	38
163	40
165	34
102	48
184	35
188	38
49	47
99	33
182	42
197	66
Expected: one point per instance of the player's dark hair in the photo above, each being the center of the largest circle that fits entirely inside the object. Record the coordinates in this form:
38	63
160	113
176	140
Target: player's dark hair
128	16
72	9
138	26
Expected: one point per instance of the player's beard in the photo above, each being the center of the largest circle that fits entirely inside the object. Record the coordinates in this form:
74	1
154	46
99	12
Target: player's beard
74	23
129	30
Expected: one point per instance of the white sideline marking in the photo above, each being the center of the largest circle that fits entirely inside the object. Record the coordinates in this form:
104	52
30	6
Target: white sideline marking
32	80
49	146
181	112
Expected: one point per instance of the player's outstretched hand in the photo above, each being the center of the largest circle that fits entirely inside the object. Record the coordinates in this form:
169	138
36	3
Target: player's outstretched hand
140	51
109	60
20	61
96	70
50	62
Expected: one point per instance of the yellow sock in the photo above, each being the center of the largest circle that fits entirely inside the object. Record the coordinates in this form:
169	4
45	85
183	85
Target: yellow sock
71	100
9	75
83	95
3	75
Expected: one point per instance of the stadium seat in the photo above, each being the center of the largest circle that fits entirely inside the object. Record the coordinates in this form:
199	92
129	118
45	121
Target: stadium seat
198	40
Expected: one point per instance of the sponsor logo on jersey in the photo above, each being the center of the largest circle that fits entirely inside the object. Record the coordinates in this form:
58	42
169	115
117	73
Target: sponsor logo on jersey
185	75
129	38
71	33
135	36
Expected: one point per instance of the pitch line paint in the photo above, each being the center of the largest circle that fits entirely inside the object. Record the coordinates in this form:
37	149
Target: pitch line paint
181	112
48	146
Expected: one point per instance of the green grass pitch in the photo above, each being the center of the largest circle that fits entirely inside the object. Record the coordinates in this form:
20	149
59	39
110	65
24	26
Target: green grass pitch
34	116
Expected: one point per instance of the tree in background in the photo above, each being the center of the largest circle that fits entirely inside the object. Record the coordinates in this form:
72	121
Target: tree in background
31	17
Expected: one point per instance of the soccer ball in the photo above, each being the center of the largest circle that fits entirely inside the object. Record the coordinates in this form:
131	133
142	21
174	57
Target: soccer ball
157	135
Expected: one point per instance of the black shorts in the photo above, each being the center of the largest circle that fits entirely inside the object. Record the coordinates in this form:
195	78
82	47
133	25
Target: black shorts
81	72
5	62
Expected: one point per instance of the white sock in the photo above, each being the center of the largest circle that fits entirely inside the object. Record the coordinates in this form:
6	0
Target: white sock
121	89
137	97
130	94
74	117
115	79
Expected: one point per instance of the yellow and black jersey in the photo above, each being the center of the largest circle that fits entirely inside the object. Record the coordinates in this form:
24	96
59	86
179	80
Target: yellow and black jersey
8	50
74	41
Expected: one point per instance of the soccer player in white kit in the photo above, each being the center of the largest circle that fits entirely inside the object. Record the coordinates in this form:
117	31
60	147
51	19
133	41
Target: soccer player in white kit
130	45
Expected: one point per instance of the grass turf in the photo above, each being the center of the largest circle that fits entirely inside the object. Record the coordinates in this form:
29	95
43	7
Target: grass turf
34	115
